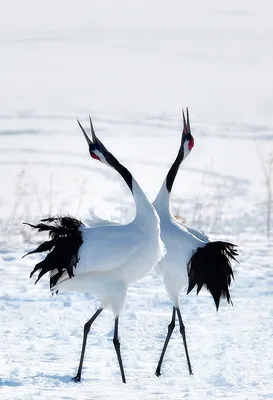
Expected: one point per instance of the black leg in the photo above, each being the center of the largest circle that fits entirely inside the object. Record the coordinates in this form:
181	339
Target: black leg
183	333
86	330
169	334
117	348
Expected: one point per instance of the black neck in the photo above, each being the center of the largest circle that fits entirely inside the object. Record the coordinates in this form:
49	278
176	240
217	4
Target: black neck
174	168
126	175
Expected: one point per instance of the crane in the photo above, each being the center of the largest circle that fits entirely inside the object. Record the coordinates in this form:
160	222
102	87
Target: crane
102	260
191	258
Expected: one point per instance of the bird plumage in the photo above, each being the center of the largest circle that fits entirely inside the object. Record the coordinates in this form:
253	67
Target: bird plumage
63	248
211	266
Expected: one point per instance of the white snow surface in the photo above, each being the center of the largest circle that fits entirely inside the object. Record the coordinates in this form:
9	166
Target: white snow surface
133	66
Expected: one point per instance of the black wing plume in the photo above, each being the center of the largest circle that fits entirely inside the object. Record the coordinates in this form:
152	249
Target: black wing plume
210	266
63	247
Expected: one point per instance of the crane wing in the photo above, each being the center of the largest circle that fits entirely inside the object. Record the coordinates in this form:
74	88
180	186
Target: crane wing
106	248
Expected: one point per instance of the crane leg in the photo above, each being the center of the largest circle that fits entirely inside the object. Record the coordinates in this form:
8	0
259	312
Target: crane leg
86	330
183	333
117	348
169	334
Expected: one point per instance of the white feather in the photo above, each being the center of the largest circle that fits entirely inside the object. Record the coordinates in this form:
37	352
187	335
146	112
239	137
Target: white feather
112	255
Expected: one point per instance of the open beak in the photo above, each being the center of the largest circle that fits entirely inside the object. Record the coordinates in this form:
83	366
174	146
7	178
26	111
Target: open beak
84	133
94	137
186	124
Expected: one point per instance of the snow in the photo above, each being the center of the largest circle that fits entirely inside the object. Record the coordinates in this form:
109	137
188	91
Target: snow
132	67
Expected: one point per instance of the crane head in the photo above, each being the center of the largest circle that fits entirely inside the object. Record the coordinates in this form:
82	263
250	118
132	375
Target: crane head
97	150
187	141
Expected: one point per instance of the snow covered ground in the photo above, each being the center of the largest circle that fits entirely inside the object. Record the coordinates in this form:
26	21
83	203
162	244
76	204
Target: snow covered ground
132	67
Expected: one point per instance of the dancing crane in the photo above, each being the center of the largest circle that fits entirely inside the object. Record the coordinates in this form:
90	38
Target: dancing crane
103	260
191	259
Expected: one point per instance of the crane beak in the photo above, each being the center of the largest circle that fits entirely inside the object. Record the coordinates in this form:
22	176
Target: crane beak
85	134
94	137
186	123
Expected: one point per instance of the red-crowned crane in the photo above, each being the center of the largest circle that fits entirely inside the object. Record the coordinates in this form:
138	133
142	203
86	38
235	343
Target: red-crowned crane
102	260
191	258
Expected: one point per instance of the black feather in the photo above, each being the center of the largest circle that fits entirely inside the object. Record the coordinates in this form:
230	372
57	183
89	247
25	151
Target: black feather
63	247
36	268
43	247
210	266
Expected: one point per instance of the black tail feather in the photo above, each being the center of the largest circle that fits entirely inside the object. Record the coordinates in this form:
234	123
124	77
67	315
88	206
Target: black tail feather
210	266
63	247
36	268
46	246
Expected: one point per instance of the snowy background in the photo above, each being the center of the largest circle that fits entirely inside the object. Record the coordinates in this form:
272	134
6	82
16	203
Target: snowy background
133	66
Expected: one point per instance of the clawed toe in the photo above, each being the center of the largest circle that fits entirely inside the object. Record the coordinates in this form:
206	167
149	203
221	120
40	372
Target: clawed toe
77	379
